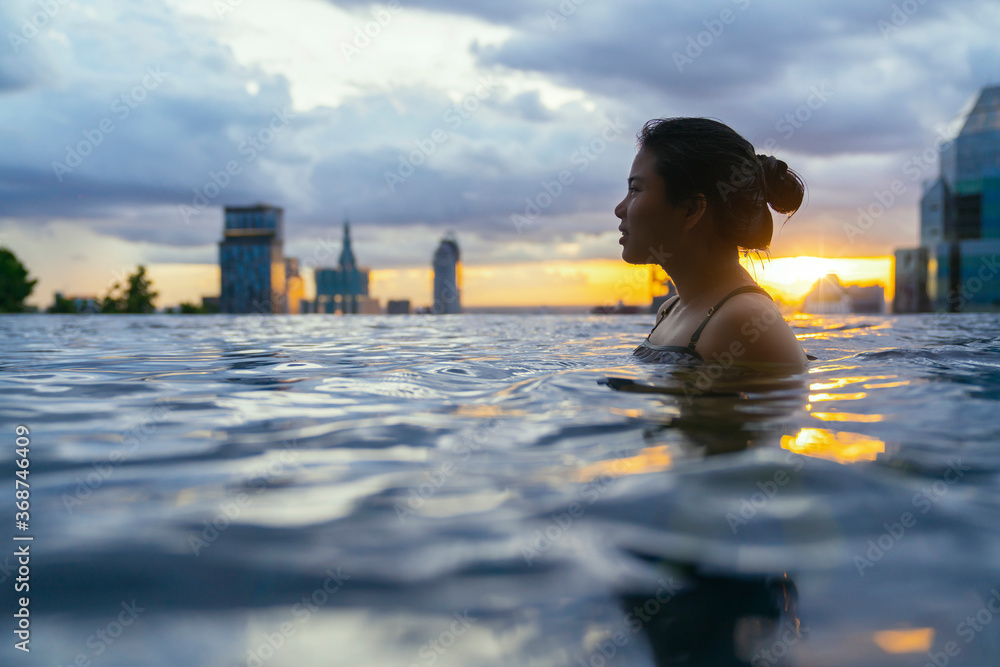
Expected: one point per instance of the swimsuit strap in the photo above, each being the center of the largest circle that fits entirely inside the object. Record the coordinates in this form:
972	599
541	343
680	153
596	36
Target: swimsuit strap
739	290
666	312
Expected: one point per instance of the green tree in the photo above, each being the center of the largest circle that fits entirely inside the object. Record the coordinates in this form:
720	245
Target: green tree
63	305
187	308
14	284
135	297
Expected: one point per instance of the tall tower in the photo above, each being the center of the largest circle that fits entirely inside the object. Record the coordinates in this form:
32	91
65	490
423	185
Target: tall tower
447	277
342	287
960	214
251	259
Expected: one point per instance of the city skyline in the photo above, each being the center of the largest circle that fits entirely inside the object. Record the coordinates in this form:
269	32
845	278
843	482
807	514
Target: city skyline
129	128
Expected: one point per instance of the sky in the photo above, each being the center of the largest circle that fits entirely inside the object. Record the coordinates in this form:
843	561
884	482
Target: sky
127	126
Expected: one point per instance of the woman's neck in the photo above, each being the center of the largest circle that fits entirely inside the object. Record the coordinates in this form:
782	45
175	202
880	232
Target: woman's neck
703	278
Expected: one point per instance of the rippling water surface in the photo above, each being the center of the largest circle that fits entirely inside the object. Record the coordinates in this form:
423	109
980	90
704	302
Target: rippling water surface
473	490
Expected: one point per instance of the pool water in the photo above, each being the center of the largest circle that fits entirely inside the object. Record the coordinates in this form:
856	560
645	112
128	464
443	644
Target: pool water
474	490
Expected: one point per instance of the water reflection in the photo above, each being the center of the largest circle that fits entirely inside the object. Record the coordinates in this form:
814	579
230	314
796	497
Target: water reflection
840	446
720	620
737	409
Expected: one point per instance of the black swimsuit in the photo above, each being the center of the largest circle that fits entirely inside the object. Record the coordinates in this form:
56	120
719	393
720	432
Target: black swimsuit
669	353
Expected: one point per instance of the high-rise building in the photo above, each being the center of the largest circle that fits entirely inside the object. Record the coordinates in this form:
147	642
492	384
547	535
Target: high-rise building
447	277
251	260
295	287
911	281
344	288
398	307
959	222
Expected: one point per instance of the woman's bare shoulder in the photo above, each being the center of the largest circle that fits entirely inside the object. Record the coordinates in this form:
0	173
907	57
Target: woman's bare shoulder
751	327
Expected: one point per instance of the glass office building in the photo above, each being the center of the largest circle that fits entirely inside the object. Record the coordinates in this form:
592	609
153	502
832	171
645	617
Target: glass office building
960	220
251	259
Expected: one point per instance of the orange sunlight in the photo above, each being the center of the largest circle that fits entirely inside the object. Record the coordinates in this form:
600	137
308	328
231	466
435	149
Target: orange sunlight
595	282
608	281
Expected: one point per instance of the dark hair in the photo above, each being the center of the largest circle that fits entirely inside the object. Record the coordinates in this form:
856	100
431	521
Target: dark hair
703	156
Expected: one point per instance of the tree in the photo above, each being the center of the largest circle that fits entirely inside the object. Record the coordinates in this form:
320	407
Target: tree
63	305
136	297
14	284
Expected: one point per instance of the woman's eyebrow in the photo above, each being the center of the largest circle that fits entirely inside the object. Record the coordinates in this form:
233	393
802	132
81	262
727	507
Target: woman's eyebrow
634	178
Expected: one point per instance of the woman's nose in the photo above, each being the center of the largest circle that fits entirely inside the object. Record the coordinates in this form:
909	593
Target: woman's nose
620	210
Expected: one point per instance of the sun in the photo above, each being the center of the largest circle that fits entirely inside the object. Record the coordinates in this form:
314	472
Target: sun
791	278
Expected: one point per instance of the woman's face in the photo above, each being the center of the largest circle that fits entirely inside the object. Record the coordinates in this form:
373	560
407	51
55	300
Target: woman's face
650	224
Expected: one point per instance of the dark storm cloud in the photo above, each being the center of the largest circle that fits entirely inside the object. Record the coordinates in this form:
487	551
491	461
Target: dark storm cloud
752	64
817	81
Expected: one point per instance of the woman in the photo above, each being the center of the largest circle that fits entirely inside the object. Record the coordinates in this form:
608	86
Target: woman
697	194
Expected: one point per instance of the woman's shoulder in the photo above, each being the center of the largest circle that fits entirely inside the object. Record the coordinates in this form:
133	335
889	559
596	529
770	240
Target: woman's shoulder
751	327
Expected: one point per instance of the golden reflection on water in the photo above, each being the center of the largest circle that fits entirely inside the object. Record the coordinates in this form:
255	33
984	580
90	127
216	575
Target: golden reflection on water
649	459
846	417
815	398
886	385
843	382
839	446
915	640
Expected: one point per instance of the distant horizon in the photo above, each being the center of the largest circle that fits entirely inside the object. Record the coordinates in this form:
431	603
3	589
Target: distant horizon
610	281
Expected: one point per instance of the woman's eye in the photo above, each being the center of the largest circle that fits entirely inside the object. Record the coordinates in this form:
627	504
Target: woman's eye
631	190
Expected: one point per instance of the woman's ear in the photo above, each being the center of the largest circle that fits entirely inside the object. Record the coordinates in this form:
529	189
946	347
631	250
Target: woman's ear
694	210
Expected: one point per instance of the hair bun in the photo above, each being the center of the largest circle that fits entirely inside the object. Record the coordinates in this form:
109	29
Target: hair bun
783	189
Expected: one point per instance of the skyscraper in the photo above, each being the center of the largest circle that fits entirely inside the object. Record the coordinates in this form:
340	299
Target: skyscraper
959	222
295	288
346	287
251	260
447	277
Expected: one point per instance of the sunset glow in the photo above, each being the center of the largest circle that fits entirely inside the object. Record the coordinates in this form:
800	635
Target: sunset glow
605	282
552	283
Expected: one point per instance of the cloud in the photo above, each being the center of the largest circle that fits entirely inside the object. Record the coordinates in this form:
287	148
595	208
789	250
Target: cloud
508	12
835	96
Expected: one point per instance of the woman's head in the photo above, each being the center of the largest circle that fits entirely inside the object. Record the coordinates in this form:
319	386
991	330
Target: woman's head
700	157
